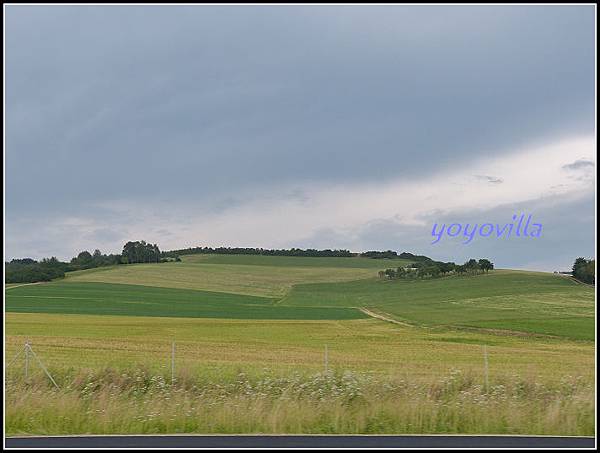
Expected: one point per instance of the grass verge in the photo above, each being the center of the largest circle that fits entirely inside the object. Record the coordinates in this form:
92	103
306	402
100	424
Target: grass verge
139	402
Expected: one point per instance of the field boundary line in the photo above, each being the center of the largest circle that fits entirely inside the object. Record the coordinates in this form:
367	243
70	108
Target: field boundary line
384	317
23	284
509	333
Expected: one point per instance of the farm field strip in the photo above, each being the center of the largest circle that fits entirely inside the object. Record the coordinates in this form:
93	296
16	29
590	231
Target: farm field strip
253	280
531	302
92	341
134	300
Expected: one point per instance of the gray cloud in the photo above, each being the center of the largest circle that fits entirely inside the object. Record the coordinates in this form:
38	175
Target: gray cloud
209	105
579	164
104	235
567	233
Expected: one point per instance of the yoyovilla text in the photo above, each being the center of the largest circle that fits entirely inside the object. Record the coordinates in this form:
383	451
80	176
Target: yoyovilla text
520	228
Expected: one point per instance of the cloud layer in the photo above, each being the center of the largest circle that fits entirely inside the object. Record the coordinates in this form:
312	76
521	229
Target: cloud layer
292	126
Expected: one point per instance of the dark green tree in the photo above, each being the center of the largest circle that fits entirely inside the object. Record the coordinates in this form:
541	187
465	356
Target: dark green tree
485	265
472	266
585	270
83	260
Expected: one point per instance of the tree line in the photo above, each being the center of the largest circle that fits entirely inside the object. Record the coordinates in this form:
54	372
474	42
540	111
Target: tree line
585	270
428	268
27	270
340	253
260	251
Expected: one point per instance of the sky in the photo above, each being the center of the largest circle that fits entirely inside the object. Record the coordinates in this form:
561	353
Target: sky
355	127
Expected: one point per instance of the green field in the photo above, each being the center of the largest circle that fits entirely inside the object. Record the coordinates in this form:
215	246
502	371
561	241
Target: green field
136	300
244	287
532	302
250	323
260	376
368	345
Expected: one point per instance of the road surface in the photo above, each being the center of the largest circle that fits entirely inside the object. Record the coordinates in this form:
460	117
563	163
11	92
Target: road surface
295	441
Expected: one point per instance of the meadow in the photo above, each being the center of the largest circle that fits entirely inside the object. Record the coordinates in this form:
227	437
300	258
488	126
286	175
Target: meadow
513	301
250	351
284	346
272	376
253	280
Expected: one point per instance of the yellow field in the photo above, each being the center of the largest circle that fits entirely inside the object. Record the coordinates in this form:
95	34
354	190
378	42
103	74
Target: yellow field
95	342
269	281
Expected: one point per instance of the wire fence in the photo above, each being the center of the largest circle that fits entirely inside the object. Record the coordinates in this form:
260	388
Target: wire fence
29	357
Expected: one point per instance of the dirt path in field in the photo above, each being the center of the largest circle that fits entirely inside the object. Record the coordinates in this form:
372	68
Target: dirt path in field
383	317
22	284
502	332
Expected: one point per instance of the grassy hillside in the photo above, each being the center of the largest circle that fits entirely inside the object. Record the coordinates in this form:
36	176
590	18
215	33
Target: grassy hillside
255	280
264	287
137	300
510	300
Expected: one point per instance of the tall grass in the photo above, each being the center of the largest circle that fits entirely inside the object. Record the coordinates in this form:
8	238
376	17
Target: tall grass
137	401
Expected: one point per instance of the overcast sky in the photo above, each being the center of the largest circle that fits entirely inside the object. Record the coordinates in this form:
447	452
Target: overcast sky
354	127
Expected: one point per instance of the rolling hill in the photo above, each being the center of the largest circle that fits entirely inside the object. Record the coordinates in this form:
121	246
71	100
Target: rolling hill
265	287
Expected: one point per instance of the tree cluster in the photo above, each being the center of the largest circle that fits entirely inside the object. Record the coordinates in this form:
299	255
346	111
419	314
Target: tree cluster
390	254
140	252
375	254
87	260
433	269
585	270
27	270
413	257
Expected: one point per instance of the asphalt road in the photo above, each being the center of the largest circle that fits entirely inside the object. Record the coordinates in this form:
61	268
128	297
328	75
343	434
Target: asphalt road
286	441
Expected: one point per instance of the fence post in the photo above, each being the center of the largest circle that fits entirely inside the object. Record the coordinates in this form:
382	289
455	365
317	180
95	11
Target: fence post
172	363
485	364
